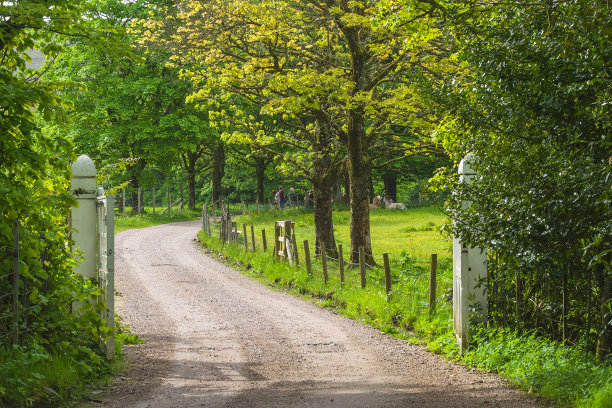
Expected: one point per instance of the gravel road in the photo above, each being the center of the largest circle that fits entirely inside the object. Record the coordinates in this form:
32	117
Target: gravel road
215	338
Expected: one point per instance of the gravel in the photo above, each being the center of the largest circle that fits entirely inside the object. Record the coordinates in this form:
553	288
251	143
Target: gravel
215	338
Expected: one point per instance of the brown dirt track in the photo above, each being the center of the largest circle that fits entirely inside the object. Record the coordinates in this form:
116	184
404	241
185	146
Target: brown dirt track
215	338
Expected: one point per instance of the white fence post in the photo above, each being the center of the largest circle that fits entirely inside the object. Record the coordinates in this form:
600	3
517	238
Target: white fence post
106	265
469	276
83	216
93	222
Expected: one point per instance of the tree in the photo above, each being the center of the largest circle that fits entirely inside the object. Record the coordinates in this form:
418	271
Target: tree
338	73
130	105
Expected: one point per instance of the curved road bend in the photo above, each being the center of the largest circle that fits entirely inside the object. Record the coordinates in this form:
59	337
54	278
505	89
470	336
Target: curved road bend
215	338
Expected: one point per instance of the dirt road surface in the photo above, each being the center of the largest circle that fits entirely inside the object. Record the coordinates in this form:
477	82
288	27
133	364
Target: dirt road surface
215	338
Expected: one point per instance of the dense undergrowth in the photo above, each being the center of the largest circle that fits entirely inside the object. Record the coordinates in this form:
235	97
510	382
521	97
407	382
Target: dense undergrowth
547	369
40	375
58	361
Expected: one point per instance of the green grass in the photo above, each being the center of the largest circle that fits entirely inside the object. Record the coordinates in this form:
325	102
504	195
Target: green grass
550	370
32	376
414	232
565	374
149	220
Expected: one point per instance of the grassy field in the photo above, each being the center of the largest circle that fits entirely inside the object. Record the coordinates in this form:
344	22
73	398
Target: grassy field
414	233
148	219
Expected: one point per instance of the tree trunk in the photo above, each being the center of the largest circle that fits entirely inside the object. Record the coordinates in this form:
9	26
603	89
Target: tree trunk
191	190
324	224
604	343
357	148
322	178
190	168
360	211
390	181
135	173
260	168
359	178
218	170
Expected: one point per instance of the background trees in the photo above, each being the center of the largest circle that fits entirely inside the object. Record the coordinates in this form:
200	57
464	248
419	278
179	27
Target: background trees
340	75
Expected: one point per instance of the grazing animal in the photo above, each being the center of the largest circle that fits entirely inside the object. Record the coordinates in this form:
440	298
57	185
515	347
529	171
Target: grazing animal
390	205
376	202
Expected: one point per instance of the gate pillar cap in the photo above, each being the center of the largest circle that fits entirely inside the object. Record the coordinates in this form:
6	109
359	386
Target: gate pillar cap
465	165
83	176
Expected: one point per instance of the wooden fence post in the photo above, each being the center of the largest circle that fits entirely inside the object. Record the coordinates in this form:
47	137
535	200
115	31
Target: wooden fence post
169	200
182	207
432	283
362	267
246	237
288	241
204	214
223	231
341	264
276	241
139	201
253	236
307	257
123	202
208	222
295	248
324	261
153	200
263	239
387	275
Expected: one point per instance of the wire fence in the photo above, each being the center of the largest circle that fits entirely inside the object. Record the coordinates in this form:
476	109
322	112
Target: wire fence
15	291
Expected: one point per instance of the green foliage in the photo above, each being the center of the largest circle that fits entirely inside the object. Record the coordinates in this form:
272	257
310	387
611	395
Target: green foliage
537	117
59	324
37	376
128	108
566	374
533	106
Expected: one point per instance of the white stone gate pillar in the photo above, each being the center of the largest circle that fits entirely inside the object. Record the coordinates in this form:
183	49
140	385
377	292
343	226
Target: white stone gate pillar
469	276
93	223
83	217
